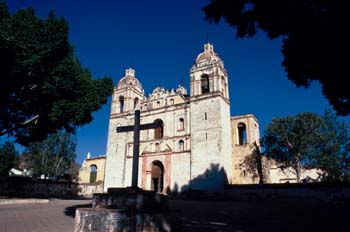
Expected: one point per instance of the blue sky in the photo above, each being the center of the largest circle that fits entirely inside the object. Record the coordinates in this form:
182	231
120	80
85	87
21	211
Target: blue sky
160	40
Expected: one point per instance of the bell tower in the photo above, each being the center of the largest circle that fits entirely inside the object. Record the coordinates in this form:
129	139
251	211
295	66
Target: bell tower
127	95
211	150
208	74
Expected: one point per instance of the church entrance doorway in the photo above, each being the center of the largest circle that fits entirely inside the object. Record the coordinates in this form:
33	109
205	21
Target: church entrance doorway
157	174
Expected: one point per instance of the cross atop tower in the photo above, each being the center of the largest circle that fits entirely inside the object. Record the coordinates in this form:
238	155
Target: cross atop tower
130	72
208	47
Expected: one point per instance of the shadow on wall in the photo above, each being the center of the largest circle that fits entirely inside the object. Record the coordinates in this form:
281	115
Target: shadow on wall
255	166
213	179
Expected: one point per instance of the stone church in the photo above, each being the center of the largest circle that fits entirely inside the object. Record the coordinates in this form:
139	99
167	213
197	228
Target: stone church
198	144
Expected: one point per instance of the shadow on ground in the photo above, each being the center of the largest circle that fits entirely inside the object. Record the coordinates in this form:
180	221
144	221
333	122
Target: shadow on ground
254	216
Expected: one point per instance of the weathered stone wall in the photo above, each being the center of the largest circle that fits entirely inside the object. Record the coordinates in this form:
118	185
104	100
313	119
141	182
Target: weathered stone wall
277	175
308	192
88	190
241	153
25	187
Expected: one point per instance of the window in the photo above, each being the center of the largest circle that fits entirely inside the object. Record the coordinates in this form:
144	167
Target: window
242	133
136	101
181	145
171	101
157	146
158	132
121	104
181	124
158	103
223	86
205	83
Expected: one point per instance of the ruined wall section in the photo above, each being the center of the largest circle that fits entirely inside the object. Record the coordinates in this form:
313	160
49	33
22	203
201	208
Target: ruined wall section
242	154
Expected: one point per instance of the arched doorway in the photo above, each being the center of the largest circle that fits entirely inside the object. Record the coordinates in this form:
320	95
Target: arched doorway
157	174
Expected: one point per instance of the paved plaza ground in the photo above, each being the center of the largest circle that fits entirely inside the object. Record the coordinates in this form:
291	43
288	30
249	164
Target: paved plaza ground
238	216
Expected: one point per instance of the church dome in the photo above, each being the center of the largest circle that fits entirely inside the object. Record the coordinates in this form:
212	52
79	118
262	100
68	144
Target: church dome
129	80
208	56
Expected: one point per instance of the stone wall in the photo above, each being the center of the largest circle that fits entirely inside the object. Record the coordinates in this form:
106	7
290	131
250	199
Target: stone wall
26	187
311	192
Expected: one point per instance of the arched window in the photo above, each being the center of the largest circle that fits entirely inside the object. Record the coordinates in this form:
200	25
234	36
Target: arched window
136	101
121	104
181	124
181	145
157	147
205	83
171	101
242	133
158	103
93	173
158	132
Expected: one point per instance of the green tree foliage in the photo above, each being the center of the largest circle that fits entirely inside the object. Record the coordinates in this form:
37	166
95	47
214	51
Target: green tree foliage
315	33
308	140
93	176
8	159
334	153
43	87
53	156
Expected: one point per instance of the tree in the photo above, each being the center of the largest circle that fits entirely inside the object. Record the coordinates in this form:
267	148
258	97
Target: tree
53	156
43	87
292	141
333	157
8	155
308	140
316	35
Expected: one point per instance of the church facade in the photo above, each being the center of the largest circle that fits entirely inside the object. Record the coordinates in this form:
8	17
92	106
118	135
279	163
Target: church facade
198	144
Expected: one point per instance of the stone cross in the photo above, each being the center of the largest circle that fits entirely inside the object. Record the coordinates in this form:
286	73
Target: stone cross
136	128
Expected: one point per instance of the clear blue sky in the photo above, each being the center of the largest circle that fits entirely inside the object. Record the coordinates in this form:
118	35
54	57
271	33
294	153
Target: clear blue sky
161	39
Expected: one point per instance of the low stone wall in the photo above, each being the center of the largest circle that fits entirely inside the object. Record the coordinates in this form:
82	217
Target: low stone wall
26	187
88	190
311	192
308	192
